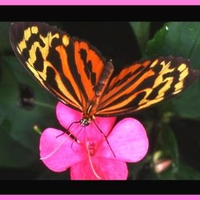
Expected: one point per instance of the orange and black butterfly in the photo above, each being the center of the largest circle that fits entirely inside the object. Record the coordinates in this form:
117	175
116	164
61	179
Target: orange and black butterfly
79	76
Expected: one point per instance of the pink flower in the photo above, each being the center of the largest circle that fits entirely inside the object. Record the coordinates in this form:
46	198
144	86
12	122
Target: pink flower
90	157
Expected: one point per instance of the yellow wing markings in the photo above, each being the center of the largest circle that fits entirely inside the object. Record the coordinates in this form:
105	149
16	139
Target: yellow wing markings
80	80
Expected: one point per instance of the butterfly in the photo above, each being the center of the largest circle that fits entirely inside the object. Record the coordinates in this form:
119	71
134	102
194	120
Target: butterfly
77	74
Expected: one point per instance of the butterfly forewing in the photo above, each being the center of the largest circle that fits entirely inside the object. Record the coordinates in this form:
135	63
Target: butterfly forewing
78	75
146	83
68	67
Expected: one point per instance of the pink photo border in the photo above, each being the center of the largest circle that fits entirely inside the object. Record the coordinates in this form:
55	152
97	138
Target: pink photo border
99	2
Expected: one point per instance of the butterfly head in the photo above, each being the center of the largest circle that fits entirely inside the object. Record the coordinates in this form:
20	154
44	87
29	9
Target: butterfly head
85	121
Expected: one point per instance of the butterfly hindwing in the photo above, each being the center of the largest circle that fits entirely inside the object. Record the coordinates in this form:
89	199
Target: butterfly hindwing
67	67
77	74
146	83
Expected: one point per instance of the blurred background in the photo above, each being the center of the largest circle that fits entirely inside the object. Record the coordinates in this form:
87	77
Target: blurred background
173	126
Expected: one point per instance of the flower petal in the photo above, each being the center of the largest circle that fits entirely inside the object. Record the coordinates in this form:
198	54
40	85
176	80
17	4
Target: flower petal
105	169
58	151
105	124
128	140
69	117
66	115
97	130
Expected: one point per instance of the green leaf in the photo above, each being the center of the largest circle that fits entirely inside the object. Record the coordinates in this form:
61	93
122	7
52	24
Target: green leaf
12	153
177	39
141	30
180	39
187	104
187	172
4	37
187	134
169	144
49	175
23	120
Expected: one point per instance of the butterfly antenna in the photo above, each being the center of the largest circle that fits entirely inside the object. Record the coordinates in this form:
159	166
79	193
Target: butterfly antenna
76	122
69	133
75	139
104	138
62	134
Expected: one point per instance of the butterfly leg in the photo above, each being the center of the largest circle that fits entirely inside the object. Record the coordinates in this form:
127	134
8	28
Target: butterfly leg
105	137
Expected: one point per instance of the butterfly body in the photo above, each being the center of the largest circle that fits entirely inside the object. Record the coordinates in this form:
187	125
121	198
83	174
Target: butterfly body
78	75
92	108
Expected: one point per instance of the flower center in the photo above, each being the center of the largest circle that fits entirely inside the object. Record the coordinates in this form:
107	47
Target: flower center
91	148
